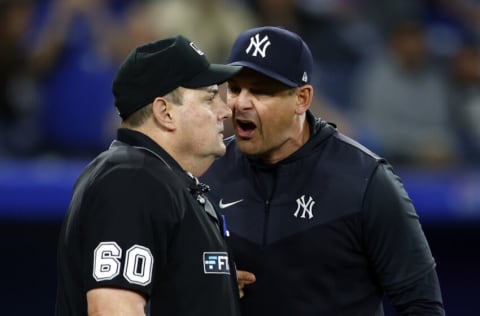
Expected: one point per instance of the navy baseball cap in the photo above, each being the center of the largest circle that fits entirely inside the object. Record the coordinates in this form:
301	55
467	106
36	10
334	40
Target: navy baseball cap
274	52
157	68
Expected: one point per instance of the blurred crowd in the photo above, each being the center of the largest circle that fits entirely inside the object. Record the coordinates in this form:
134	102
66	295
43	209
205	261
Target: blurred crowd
402	76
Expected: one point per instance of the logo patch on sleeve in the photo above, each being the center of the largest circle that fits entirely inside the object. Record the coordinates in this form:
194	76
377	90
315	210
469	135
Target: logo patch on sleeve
215	263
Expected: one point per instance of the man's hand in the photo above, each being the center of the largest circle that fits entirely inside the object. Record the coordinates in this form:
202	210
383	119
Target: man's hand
244	278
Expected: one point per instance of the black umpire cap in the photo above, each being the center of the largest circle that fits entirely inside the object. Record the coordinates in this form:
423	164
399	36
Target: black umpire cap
159	67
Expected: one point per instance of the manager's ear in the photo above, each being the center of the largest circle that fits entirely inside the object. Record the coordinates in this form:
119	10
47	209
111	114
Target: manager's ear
304	98
161	109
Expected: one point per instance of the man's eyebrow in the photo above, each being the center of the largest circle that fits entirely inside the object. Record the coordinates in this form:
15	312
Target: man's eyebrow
212	89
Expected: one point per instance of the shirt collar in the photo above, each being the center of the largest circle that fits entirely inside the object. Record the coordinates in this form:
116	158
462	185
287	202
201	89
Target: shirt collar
140	140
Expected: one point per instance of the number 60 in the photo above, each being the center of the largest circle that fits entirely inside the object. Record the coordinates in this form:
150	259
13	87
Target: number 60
138	263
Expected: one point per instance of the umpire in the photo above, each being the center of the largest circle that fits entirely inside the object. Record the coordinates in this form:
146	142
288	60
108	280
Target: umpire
140	236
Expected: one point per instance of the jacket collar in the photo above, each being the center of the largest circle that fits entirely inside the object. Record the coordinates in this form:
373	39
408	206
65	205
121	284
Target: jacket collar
319	131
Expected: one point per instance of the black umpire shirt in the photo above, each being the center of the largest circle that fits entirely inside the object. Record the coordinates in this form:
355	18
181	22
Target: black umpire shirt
137	221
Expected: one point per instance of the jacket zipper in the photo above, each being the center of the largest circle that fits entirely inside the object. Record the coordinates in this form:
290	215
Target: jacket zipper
265	223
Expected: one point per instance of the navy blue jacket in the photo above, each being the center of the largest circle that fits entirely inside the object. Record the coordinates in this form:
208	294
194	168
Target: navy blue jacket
327	231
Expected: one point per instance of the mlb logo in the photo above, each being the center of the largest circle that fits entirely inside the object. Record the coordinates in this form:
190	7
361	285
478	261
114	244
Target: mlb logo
215	263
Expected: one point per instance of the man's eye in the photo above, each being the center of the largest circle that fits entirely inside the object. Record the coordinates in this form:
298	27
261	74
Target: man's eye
233	90
211	96
262	92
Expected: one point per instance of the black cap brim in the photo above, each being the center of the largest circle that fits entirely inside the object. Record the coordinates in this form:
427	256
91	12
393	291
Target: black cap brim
214	74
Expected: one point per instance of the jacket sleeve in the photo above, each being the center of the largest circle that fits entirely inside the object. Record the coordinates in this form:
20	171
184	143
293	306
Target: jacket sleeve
397	247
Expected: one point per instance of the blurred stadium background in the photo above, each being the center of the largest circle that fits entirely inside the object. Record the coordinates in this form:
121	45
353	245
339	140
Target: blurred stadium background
401	76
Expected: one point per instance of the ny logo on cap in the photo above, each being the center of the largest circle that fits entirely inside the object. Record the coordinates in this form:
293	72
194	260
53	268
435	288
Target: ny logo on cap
192	45
260	46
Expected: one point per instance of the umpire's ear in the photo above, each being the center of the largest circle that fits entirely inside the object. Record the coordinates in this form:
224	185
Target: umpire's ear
161	109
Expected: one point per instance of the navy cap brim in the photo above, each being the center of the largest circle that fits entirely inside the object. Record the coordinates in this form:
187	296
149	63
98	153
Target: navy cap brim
214	74
265	71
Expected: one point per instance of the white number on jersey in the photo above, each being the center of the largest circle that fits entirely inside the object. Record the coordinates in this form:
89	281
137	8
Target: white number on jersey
138	263
138	266
106	263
